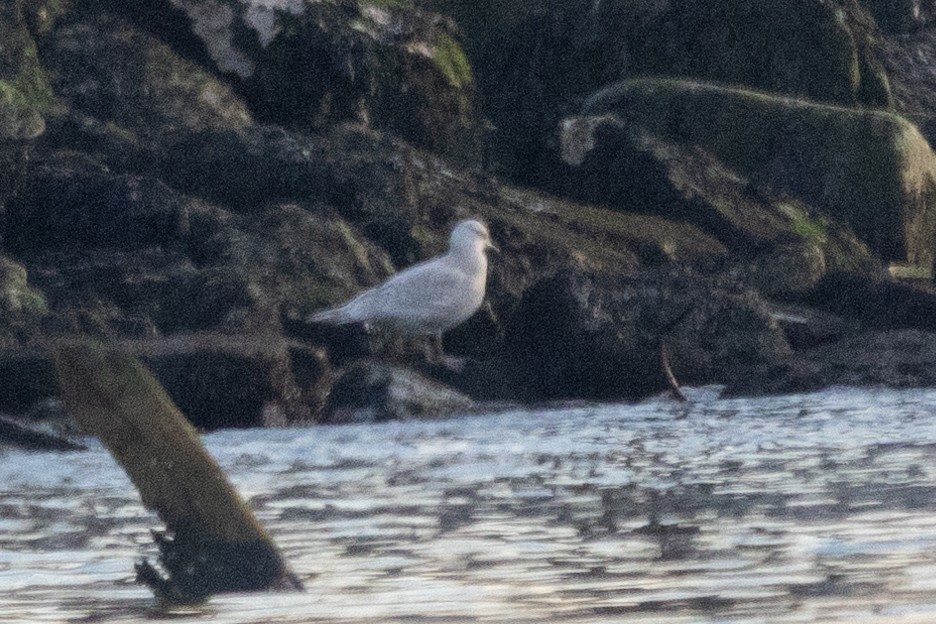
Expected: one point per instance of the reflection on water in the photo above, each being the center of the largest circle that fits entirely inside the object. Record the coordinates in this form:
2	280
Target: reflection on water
810	508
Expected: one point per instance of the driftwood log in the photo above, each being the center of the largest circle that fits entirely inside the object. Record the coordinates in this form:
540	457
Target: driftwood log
213	542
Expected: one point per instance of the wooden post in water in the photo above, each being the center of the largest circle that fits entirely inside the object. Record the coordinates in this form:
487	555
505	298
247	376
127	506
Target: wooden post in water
213	543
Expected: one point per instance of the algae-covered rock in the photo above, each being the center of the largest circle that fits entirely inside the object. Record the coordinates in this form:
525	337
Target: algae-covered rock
20	68
19	302
312	64
869	169
25	95
778	245
823	50
536	61
18	118
128	92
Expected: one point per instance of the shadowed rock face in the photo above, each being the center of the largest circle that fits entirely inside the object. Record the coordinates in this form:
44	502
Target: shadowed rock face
582	336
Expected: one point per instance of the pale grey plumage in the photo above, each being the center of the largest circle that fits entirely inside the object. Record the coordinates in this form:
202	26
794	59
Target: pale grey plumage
429	297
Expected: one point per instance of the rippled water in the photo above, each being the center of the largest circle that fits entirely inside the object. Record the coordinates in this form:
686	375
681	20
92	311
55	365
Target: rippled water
808	508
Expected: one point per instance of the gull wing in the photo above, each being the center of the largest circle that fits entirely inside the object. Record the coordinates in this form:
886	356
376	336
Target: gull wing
425	298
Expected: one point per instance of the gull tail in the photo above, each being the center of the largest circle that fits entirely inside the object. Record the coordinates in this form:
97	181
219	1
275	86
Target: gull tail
335	316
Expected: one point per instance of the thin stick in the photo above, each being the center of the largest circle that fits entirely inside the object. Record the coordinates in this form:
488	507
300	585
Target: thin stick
675	390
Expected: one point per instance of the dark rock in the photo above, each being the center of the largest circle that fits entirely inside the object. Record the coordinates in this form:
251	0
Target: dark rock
909	60
247	381
247	170
311	65
902	16
825	51
70	201
575	336
896	358
128	94
373	392
217	381
26	379
16	433
806	327
876	304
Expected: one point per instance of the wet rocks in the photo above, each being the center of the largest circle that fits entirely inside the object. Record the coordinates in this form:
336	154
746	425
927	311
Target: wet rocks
216	380
537	62
70	201
128	94
903	358
375	392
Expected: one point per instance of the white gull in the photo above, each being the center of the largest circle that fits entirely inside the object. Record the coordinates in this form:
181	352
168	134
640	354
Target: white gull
427	298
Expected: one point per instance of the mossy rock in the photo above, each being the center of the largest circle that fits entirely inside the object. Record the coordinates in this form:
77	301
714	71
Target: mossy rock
128	92
384	63
19	303
870	169
20	68
25	93
778	243
18	119
535	62
824	50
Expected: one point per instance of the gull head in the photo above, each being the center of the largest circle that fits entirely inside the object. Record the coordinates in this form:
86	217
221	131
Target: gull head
471	235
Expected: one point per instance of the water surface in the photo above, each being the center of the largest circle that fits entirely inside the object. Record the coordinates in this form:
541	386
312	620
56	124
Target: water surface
806	508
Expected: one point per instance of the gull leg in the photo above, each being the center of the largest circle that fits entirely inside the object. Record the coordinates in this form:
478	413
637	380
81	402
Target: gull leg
437	355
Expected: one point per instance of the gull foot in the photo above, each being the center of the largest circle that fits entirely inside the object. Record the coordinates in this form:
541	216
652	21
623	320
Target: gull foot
454	364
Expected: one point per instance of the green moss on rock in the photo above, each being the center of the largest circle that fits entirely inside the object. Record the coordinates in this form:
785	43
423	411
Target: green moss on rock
18	301
452	61
868	168
18	118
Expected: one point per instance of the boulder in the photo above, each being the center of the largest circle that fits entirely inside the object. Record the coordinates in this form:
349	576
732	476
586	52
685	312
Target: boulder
70	201
372	392
217	381
909	60
869	169
827	51
581	336
128	94
779	245
904	358
537	61
308	65
875	304
26	96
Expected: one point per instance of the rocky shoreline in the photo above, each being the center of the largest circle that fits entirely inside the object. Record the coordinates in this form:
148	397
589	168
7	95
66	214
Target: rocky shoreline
189	180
